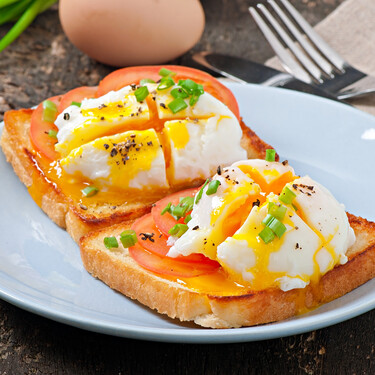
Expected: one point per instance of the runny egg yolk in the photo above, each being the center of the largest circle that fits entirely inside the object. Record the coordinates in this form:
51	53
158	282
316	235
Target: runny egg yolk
269	180
178	133
110	111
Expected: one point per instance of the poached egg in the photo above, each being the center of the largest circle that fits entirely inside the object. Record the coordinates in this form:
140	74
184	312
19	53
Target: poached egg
171	150
226	226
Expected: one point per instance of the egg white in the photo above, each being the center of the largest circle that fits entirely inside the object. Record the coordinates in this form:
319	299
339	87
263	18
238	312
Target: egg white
108	162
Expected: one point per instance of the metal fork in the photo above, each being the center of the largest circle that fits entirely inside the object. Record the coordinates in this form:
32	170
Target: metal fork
312	60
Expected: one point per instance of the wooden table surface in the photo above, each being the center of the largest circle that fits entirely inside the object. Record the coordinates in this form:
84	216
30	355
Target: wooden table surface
43	63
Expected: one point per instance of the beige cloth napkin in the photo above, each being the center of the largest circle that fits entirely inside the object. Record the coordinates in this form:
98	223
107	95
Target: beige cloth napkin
350	30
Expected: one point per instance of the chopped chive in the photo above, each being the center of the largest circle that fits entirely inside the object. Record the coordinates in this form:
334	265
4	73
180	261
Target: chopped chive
277	211
185	205
198	197
77	104
266	235
198	91
128	238
295	207
141	93
267	220
165	83
187	201
167	208
270	204
187	219
110	242
89	191
287	196
142	82
179	92
178	230
277	227
179	211
212	187
192	88
48	104
52	133
177	105
49	111
193	100
164	72
188	85
270	154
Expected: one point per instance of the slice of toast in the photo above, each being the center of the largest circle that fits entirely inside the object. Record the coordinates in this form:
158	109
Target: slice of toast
119	271
75	218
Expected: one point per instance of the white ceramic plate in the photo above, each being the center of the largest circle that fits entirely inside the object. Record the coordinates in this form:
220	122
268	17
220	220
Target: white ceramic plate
40	266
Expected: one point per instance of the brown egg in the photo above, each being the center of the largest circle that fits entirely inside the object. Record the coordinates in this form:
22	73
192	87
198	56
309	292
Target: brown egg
132	32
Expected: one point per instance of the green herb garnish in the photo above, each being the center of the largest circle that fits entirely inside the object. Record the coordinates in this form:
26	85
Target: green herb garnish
287	195
128	238
270	154
198	197
49	111
52	133
90	191
165	83
142	82
212	187
110	242
141	93
22	11
266	235
178	230
177	105
164	72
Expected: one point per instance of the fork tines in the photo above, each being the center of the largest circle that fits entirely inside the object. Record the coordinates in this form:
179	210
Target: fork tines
311	59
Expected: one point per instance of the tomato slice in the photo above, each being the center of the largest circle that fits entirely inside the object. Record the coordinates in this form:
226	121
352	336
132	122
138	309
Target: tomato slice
77	95
158	242
39	131
169	266
152	254
126	76
167	221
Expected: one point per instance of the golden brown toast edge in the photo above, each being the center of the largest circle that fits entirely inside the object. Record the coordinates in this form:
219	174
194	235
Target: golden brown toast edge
77	219
122	273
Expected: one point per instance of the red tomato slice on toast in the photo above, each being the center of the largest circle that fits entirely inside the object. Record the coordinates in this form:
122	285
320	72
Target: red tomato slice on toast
167	221
157	242
39	130
126	76
168	266
77	95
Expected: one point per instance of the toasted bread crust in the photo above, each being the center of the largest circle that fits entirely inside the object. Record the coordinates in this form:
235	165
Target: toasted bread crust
77	220
256	147
118	270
